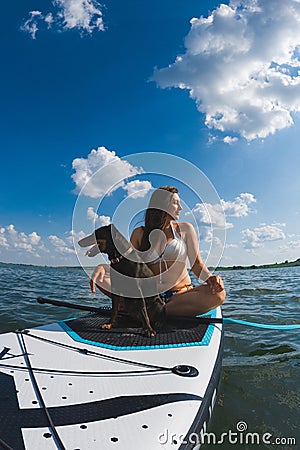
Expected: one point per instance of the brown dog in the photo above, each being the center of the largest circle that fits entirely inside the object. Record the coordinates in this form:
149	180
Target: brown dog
148	310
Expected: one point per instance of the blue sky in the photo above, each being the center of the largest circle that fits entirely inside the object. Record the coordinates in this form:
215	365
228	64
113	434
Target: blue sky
221	91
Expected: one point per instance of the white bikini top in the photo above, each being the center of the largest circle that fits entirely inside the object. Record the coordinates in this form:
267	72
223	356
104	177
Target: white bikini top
175	250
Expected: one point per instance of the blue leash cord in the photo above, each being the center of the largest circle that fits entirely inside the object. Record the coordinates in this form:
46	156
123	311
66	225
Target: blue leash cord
262	325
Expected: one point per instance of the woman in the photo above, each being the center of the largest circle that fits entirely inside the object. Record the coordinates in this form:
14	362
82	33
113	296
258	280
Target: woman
165	244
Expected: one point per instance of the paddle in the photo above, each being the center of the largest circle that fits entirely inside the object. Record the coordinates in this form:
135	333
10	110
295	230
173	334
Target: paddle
42	300
107	311
202	319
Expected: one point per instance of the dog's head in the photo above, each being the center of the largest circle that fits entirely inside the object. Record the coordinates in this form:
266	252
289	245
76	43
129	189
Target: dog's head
106	239
103	238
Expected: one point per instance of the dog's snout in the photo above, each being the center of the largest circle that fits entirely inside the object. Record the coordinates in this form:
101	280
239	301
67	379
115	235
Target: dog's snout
102	245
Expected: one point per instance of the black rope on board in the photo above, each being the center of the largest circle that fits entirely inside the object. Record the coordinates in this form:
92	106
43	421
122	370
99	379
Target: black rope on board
39	395
93	353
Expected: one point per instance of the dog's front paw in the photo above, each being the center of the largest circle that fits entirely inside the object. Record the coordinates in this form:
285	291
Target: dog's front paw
106	326
149	332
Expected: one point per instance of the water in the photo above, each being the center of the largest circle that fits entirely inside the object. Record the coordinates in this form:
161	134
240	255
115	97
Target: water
260	367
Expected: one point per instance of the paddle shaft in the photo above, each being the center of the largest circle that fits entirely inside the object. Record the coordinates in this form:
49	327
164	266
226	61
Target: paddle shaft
205	320
42	301
107	311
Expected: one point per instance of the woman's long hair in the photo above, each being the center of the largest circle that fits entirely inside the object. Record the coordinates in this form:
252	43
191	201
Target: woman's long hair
156	216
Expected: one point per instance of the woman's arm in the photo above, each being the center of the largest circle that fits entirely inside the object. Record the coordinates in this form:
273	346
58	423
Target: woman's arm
101	272
136	237
197	265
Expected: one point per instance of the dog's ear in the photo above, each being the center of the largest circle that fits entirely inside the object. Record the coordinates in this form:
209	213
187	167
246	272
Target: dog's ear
102	232
113	231
93	251
91	239
88	240
112	236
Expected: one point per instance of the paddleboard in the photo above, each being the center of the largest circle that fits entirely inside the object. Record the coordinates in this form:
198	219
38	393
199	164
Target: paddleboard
70	385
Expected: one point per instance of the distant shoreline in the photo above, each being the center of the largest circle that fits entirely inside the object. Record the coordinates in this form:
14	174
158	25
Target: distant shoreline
237	267
44	266
263	266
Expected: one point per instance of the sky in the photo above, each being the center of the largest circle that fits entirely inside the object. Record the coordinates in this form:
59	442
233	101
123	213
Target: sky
103	102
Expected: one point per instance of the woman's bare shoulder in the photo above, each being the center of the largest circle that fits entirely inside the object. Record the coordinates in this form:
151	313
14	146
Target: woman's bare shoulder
183	227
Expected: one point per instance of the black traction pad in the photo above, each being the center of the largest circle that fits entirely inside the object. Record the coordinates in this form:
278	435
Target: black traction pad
176	332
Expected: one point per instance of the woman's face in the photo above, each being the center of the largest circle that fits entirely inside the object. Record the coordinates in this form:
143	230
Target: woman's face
175	207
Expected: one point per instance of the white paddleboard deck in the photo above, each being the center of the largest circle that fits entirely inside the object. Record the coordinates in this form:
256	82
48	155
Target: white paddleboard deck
72	386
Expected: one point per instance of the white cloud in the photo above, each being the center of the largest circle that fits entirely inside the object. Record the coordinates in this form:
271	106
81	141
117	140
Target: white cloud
290	245
279	224
230	140
76	236
34	238
11	239
49	19
61	246
240	206
97	184
30	25
251	239
138	188
91	214
242	67
208	214
258	236
270	233
103	220
99	221
231	246
83	15
215	214
293	236
21	247
66	245
217	241
3	240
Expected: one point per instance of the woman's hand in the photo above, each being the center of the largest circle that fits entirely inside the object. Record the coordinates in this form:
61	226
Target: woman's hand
97	277
215	284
